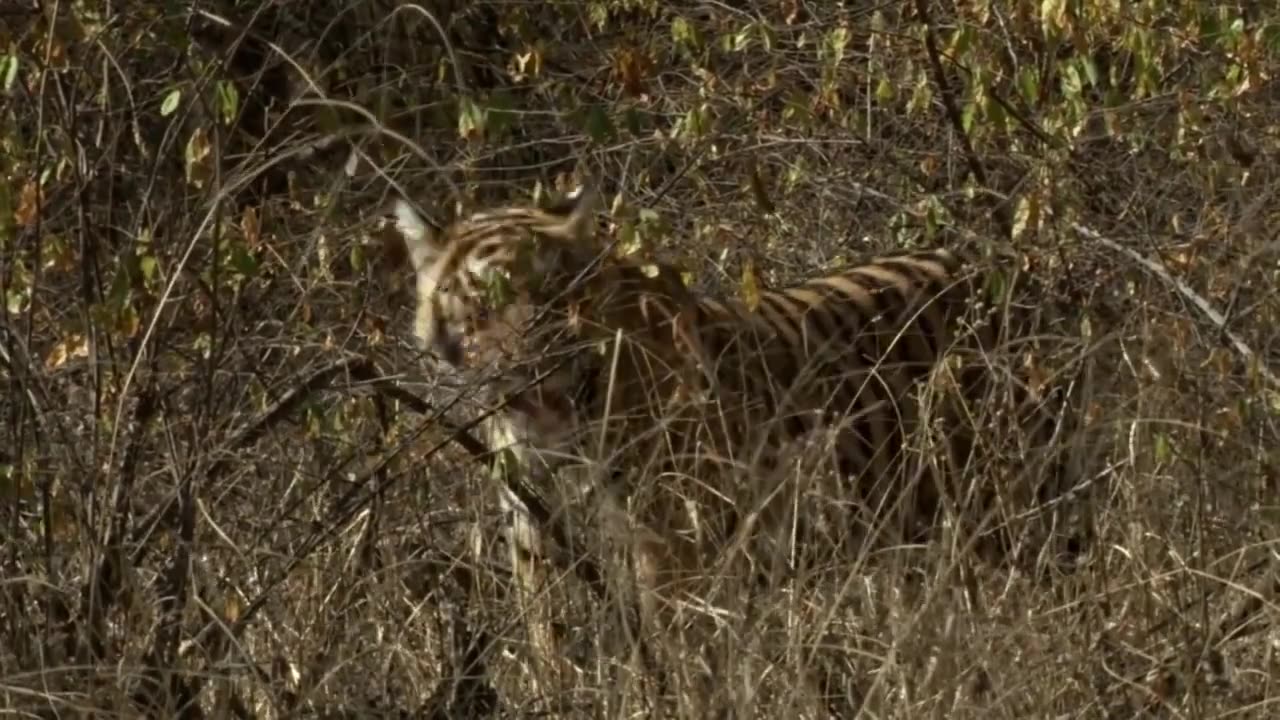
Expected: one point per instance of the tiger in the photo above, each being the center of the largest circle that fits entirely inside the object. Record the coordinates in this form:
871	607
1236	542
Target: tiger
521	295
617	366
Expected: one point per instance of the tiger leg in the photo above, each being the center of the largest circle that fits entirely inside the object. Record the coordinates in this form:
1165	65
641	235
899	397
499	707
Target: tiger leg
534	586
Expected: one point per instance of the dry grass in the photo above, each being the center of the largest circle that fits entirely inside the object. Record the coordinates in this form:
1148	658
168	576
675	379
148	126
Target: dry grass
228	489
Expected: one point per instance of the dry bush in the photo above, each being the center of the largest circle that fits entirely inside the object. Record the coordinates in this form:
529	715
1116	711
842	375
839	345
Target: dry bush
230	490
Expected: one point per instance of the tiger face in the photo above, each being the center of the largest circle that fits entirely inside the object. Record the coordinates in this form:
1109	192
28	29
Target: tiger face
528	293
480	279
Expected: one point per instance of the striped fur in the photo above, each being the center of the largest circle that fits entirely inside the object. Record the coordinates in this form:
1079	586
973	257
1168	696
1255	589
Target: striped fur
524	296
525	292
686	397
880	356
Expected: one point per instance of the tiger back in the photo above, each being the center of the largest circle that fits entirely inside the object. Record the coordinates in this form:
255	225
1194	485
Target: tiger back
881	356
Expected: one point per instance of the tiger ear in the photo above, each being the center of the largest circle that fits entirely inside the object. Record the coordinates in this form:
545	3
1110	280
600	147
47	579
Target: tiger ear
577	212
422	239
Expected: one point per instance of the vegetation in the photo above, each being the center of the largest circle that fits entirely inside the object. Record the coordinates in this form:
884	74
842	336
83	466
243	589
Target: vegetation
228	489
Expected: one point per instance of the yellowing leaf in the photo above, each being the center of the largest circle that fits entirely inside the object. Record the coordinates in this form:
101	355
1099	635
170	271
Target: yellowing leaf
629	242
198	158
1026	217
528	62
75	346
632	67
28	204
231	607
58	254
128	323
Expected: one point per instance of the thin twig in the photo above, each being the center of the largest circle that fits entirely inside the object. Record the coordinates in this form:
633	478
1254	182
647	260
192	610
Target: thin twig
952	111
1216	318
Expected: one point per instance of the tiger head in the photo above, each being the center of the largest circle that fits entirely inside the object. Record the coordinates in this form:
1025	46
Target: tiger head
530	291
484	273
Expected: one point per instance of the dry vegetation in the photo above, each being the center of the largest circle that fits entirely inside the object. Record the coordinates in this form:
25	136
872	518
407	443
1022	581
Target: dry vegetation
228	489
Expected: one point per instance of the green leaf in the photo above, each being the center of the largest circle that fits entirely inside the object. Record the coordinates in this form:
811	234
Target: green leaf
1090	71
1050	14
8	71
148	265
1209	27
499	113
967	116
1071	84
597	124
885	91
997	285
471	119
995	114
17	300
599	14
243	262
357	257
921	95
932	221
228	101
835	43
1029	83
1268	37
628	239
498	289
681	33
122	281
961	41
170	102
1163	451
632	121
797	108
696	121
767	38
